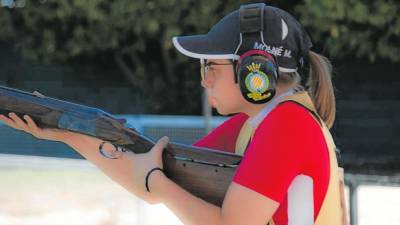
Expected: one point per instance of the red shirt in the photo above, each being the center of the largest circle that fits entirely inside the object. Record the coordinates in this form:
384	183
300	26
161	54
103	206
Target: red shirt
287	160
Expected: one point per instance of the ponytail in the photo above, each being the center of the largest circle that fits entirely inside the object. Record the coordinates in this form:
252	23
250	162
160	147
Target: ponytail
319	85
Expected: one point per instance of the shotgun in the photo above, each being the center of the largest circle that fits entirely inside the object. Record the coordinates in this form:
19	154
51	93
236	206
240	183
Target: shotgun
206	173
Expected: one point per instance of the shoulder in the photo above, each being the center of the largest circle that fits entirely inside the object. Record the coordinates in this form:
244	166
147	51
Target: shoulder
289	126
289	118
278	151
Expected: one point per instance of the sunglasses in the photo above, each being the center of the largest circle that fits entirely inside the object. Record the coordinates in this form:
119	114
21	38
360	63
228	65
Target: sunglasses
205	67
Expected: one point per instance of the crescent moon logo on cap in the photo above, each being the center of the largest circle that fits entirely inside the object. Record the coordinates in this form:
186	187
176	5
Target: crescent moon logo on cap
285	30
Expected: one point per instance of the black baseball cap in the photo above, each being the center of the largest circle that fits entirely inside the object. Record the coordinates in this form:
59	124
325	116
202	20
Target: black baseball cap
240	31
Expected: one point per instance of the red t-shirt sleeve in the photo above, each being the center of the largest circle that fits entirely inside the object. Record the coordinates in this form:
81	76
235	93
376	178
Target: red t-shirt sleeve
277	153
224	137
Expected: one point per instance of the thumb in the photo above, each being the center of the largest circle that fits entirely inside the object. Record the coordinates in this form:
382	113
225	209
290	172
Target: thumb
160	145
158	150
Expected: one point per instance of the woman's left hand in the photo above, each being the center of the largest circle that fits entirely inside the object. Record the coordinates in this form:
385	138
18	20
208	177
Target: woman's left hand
141	164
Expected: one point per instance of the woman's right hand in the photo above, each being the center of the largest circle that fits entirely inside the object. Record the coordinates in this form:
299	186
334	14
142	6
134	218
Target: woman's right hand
30	127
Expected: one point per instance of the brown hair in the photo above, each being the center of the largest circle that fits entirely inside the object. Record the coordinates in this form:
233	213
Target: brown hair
319	86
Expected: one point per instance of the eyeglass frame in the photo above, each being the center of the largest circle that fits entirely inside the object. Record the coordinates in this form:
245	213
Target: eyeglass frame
204	67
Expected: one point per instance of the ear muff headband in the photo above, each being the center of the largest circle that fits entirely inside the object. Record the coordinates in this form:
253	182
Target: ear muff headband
259	52
256	71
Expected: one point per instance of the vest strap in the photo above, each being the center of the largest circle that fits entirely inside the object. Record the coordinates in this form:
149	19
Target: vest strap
315	114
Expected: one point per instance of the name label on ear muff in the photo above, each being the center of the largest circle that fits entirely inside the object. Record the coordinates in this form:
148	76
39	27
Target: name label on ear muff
257	82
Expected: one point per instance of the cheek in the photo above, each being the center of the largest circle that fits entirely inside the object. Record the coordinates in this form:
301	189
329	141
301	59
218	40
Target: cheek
229	99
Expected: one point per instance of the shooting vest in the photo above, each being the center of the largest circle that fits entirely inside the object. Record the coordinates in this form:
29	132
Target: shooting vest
332	209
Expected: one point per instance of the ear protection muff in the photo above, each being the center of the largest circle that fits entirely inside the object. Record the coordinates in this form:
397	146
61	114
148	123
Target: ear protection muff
257	75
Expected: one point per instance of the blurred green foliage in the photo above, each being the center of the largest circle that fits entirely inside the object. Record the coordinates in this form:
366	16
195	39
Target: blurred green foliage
51	29
354	28
135	37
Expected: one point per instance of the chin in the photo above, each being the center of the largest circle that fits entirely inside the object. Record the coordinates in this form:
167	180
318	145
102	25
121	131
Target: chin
225	112
220	111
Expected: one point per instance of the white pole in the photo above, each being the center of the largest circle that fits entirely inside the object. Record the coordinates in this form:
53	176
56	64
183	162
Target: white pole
207	113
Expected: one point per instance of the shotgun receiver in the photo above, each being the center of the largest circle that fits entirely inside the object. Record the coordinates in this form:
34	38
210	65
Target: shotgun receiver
206	173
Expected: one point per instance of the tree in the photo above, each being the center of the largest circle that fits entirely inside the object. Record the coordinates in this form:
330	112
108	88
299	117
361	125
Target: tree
135	37
349	28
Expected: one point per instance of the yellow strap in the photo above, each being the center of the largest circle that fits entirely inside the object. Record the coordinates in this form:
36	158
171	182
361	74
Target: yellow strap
303	98
244	137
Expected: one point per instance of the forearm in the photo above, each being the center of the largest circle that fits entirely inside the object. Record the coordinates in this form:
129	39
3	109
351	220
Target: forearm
188	208
114	168
86	146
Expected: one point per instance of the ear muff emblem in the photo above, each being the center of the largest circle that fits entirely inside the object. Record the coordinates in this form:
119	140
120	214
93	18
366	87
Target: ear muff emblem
257	83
